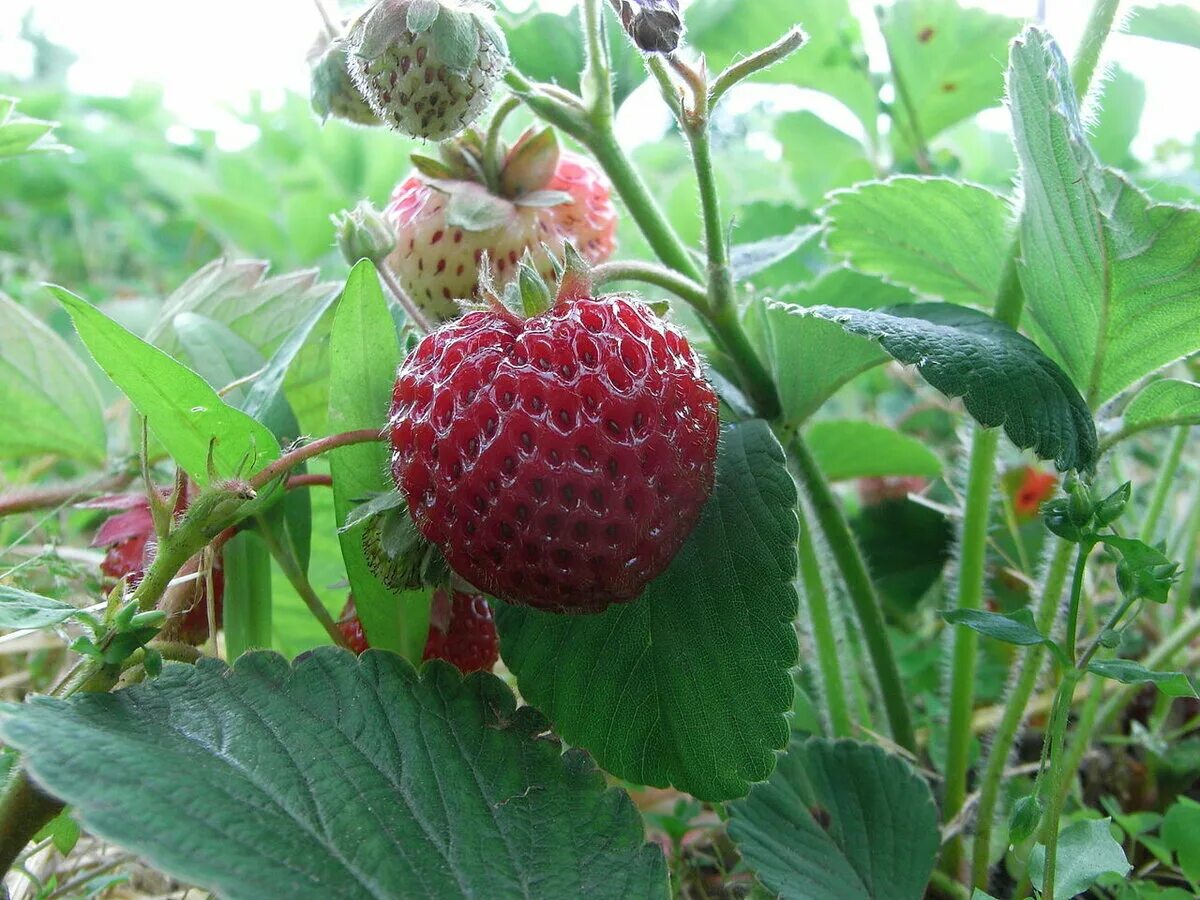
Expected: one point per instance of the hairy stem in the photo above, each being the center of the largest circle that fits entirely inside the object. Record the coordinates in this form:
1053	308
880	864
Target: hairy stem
828	654
763	59
491	152
299	581
659	276
862	593
388	277
1100	23
323	445
1165	485
1016	706
22	500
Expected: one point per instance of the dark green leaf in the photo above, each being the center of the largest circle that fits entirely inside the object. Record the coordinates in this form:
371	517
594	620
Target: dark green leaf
848	449
1002	376
810	357
839	821
364	354
1126	671
1086	850
689	685
940	237
50	402
1015	628
182	410
907	546
951	59
1110	277
21	609
338	777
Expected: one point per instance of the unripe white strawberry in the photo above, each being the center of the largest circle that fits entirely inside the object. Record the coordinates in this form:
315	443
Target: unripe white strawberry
427	67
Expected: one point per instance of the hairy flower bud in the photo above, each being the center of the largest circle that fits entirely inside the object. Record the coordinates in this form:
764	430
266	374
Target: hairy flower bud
654	25
363	233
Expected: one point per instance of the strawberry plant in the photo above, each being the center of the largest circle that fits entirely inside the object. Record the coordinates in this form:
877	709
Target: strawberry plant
601	520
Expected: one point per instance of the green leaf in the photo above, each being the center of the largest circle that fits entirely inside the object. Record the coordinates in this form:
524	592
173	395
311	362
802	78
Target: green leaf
21	609
20	135
1143	571
1181	833
833	60
820	156
63	831
848	449
1119	118
1014	628
839	821
364	354
950	59
1003	377
940	237
530	34
182	410
689	685
1177	23
907	546
810	357
1126	671
50	402
747	260
247	604
1162	404
1086	850
338	777
1110	278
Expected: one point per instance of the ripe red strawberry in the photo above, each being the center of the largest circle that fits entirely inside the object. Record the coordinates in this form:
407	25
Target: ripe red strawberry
427	67
542	199
560	461
129	537
461	631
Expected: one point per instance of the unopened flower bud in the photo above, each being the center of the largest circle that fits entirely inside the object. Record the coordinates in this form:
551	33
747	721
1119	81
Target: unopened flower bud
654	25
362	233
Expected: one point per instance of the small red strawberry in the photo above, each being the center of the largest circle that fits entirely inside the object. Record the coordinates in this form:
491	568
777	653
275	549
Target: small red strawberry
351	628
558	461
427	67
461	631
1034	489
129	537
446	220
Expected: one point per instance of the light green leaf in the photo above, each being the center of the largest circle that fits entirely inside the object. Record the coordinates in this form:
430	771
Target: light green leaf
820	156
1086	850
940	237
1177	23
810	357
839	821
182	410
1002	376
833	60
747	260
50	402
20	134
689	685
338	777
364	354
1181	833
247	603
1111	280
1015	628
21	609
1162	404
1126	671
1119	118
848	449
950	58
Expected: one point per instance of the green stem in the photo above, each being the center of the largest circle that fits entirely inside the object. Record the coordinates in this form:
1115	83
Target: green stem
491	150
1015	708
291	569
24	811
1071	636
763	59
920	149
597	70
659	276
1191	550
824	637
1164	485
1058	774
1100	23
862	593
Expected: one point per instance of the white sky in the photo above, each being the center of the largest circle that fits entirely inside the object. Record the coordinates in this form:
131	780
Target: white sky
210	56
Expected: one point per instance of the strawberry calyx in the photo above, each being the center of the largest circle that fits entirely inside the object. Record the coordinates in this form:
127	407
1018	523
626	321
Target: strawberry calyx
401	557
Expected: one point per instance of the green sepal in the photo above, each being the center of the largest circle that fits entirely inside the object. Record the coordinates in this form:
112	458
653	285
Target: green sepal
1111	507
531	163
397	552
1080	507
152	662
433	168
535	294
421	15
1056	514
1142	571
456	37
